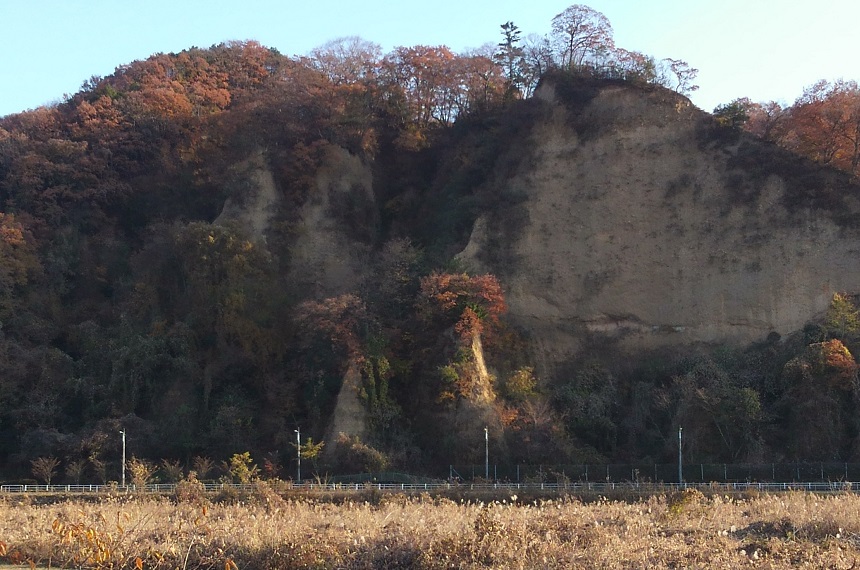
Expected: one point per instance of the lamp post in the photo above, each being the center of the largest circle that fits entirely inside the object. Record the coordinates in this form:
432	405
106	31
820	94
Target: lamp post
123	457
298	454
486	454
680	458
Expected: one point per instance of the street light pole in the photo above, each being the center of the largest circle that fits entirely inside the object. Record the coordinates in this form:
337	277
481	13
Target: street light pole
298	455
486	454
680	458
123	457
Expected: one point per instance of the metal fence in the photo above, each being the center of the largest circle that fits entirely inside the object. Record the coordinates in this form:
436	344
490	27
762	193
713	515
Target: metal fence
566	487
660	473
574	478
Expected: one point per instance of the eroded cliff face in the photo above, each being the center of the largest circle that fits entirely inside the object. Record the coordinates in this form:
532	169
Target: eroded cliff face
626	219
637	227
331	243
350	415
257	207
328	256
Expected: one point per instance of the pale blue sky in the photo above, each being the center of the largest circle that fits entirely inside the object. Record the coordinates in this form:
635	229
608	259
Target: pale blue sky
762	49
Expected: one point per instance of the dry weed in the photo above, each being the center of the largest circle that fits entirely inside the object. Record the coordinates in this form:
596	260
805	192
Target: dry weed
266	530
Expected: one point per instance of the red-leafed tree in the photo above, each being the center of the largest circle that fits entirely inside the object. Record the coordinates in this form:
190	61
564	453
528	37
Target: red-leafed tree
332	335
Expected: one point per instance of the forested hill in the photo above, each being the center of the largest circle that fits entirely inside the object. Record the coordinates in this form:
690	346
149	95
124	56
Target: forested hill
213	248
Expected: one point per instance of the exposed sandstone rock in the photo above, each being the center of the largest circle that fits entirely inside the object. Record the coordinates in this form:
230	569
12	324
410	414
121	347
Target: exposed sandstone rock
329	255
257	206
350	415
640	227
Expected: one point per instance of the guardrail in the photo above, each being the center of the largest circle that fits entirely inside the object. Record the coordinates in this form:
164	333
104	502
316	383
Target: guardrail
579	487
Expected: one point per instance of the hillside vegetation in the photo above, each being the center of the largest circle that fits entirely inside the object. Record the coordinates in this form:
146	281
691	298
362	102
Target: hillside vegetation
211	249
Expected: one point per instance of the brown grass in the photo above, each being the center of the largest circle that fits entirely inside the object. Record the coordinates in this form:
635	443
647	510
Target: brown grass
265	530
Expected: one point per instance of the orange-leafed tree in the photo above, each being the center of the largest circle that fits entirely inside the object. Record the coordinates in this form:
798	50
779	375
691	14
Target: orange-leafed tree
484	84
421	73
766	120
205	85
19	261
824	124
471	303
438	85
820	404
247	64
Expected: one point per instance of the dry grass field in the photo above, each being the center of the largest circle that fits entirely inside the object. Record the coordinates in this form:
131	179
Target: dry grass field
266	530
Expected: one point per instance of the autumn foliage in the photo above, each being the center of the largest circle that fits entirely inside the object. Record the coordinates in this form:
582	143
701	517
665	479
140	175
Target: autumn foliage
127	302
472	303
342	321
823	124
19	262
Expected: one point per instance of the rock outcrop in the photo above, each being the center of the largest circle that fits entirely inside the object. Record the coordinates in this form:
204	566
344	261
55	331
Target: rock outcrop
332	244
257	205
645	224
350	415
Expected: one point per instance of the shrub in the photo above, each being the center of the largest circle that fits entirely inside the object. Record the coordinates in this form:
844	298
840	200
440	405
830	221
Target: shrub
172	470
684	501
242	468
521	385
203	466
354	456
190	490
142	472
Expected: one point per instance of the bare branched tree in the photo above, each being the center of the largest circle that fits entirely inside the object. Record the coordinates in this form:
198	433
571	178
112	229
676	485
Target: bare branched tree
44	468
